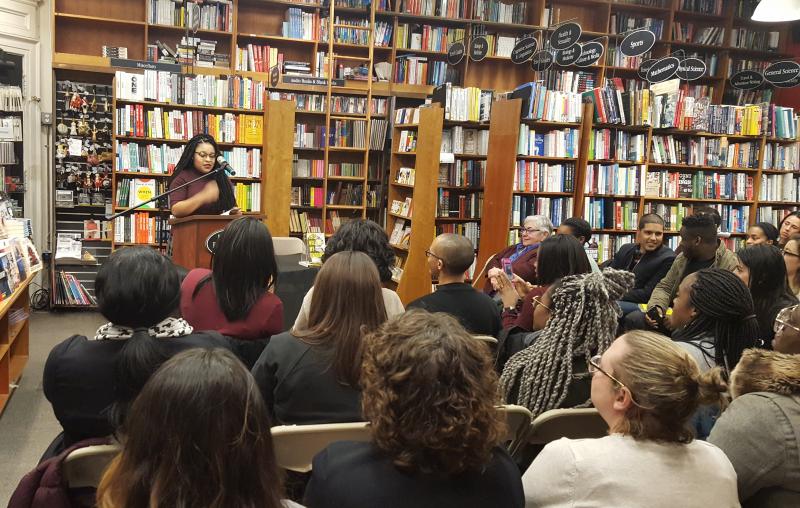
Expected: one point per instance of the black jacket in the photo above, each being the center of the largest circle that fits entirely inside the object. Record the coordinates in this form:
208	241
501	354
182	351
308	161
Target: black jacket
300	387
475	310
648	271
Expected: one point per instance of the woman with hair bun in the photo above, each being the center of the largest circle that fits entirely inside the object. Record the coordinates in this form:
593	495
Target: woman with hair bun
646	388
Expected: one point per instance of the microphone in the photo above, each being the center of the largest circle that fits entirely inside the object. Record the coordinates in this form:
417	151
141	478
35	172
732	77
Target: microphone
223	164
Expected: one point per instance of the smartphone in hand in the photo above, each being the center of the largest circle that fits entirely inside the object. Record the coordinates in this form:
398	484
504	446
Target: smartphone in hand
507	269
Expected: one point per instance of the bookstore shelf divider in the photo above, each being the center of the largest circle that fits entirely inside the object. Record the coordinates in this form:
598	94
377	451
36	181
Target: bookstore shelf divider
276	163
14	333
415	278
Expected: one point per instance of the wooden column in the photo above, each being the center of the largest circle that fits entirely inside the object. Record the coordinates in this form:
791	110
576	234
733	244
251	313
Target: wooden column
276	165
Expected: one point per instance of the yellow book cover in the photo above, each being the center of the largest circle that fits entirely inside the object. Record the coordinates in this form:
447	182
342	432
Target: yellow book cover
254	125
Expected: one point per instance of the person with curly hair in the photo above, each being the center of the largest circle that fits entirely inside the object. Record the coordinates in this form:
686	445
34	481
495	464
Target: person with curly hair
551	373
368	237
645	388
429	392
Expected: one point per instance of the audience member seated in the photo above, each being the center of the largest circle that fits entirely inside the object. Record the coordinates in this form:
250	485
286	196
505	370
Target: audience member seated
762	232
791	257
788	227
535	228
649	260
582	231
559	256
760	430
363	236
311	375
236	296
91	382
551	373
197	435
449	258
762	269
429	395
645	389
700	249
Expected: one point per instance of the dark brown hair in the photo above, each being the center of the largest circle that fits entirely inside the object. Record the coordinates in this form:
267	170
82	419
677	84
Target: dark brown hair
197	435
346	303
430	391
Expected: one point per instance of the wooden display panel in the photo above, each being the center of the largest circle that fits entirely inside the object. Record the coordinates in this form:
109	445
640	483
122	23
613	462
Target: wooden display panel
14	340
276	164
88	36
128	10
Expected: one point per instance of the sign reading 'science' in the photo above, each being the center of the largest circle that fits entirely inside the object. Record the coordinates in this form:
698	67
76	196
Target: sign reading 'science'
524	50
565	35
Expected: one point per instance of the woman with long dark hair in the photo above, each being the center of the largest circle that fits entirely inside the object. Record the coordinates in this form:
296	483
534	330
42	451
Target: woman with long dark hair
312	375
762	269
236	296
209	196
198	435
91	382
788	227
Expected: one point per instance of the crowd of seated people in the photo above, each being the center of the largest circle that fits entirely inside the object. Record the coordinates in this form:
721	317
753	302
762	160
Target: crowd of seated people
189	376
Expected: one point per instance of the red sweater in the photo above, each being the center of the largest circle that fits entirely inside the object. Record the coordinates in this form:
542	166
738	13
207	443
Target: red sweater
203	312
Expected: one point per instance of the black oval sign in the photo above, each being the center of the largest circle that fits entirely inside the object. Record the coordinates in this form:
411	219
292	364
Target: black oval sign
565	36
211	241
592	51
788	84
569	56
524	50
644	67
747	80
782	72
637	43
663	69
455	53
478	48
274	76
691	69
542	60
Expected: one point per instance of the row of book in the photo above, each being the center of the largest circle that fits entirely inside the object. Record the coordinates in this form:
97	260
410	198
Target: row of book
452	203
444	8
553	143
773	214
150	158
781	157
614	105
401	234
735	218
712	7
755	39
616	58
70	291
779	188
470	104
134	191
342	32
699	185
500	45
417	70
471	230
623	22
426	37
402	207
140	227
407	176
134	120
198	52
618	145
605	246
690	32
540	103
703	151
349	194
248	196
299	24
606	213
308	195
614	179
307	168
556	209
258	58
356	105
463	141
500	12
462	173
302	222
543	177
211	15
192	90
407	141
351	169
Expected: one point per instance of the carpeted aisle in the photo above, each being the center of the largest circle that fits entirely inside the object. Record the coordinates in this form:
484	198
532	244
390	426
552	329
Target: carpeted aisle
27	425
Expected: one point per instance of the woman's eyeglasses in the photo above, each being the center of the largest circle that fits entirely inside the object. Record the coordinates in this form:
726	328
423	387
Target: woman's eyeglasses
594	366
783	318
204	155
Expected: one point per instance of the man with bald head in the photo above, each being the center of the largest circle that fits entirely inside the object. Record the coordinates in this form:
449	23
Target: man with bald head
449	257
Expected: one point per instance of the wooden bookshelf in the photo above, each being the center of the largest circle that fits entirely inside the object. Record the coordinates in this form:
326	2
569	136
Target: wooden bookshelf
14	346
416	279
276	163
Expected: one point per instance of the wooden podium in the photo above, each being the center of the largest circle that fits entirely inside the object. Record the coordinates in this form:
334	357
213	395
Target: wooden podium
190	237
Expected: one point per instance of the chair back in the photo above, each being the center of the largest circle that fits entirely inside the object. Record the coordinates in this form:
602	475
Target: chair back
288	245
84	467
575	423
518	424
296	445
488	339
478	279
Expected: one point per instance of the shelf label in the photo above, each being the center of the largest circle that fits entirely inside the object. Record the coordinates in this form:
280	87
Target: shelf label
637	43
455	53
663	69
478	48
274	76
691	69
147	66
569	56
592	52
308	80
782	72
524	50
542	60
565	35
211	241
746	80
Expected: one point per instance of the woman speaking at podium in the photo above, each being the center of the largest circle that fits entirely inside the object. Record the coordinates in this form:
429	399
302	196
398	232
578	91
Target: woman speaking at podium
209	196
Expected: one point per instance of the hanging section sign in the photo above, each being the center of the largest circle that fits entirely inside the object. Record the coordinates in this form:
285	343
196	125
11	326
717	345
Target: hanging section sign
781	73
568	56
637	43
746	80
591	52
478	48
455	53
565	36
691	69
524	50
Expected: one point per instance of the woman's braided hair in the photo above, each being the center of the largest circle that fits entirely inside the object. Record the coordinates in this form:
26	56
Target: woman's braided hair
725	310
583	323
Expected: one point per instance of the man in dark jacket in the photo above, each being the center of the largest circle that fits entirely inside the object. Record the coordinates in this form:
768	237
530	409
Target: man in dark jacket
649	260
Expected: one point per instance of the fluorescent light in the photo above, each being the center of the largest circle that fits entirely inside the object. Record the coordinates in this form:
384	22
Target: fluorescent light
777	10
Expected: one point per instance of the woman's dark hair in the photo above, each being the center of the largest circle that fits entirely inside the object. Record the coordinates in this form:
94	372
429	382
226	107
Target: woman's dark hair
580	227
768	285
364	236
346	303
770	231
226	199
725	311
429	391
136	287
559	256
197	435
243	268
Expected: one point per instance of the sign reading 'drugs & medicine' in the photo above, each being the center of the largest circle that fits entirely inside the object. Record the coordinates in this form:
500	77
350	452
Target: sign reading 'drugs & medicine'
782	72
569	56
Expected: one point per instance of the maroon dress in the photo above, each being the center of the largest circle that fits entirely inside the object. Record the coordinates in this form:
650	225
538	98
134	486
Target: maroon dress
524	265
188	175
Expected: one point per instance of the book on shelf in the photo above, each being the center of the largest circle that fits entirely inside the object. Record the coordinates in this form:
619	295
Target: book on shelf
307	168
303	101
608	245
405	176
348	133
402	207
302	222
500	45
615	105
406	116
608	213
539	103
141	228
444	8
743	37
94	229
299	24
456	203
334	221
68	291
156	122
469	104
782	188
551	143
397	269
309	136
342	193
531	176
711	7
426	37
209	16
463	173
315	246
695	34
500	12
623	22
618	145
258	58
470	230
401	234
418	70
307	195
161	159
248	196
779	121
615	179
781	157
556	209
464	141
407	141
349	169
774	214
735	218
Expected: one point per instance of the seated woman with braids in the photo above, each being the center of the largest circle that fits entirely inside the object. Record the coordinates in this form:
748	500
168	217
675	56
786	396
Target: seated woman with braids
645	388
551	373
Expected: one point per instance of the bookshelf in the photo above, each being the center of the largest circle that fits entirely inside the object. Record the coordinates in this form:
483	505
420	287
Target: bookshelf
416	144
14	332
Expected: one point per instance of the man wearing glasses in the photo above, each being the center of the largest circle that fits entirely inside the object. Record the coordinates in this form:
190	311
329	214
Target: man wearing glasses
522	255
